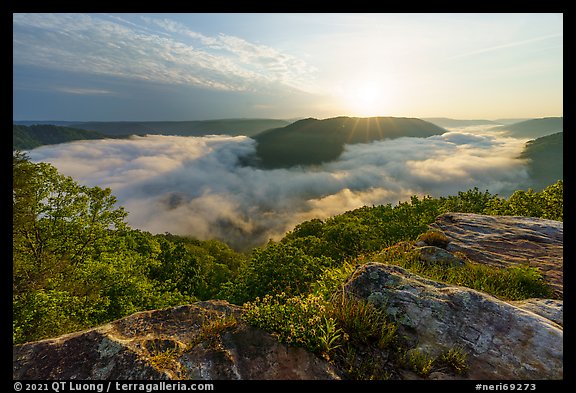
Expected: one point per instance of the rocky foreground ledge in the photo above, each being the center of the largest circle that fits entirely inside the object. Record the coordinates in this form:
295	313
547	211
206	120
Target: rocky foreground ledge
209	340
502	340
508	240
201	341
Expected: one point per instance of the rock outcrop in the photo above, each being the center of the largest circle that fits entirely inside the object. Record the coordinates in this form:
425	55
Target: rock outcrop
502	341
508	240
203	341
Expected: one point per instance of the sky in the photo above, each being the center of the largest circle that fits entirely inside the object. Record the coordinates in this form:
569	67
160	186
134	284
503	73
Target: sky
162	67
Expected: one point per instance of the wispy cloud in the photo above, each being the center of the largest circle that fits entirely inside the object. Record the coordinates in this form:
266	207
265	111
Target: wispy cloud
83	91
157	50
508	45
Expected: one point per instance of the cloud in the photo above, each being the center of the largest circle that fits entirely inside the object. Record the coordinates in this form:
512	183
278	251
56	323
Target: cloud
114	46
508	45
83	91
195	186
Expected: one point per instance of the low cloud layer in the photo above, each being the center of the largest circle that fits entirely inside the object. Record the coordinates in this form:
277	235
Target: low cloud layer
194	186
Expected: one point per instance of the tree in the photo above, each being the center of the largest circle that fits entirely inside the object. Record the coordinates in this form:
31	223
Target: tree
71	266
56	221
549	203
274	269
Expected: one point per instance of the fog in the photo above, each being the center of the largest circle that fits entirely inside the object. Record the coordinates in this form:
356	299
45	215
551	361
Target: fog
194	186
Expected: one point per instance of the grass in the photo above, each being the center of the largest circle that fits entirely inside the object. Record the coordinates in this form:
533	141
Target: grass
163	360
363	322
163	356
211	329
453	360
517	282
434	238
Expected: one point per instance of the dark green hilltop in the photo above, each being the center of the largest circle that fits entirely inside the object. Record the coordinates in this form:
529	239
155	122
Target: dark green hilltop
546	160
312	142
29	137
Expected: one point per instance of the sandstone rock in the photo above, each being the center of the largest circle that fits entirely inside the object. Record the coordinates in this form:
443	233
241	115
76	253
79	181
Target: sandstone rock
508	240
502	340
436	255
204	340
551	309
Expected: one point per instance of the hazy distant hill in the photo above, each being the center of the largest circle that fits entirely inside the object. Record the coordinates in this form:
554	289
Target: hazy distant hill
246	127
312	141
29	137
546	160
534	128
509	121
446	122
51	122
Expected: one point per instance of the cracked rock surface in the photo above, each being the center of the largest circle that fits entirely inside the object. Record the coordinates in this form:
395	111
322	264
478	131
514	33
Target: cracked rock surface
503	340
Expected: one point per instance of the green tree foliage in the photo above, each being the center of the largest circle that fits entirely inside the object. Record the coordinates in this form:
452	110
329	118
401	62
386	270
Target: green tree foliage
471	201
549	203
195	268
77	264
56	222
364	230
29	137
274	269
545	160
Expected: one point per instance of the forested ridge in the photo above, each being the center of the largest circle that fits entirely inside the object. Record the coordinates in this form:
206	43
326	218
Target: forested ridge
29	137
77	264
313	142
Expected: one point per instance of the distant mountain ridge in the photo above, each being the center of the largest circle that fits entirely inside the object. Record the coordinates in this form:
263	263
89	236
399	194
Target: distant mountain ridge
29	137
312	141
447	122
233	127
534	128
546	160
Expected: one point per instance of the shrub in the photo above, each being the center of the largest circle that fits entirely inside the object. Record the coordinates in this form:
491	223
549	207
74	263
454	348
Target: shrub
434	238
301	320
274	269
363	322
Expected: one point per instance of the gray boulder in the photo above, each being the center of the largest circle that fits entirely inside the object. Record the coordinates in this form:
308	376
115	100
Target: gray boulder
508	240
502	341
204	341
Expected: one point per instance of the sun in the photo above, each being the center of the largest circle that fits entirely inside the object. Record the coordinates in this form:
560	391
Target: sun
365	98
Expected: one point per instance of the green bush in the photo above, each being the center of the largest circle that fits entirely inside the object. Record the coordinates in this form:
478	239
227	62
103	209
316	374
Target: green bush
434	238
274	269
362	321
549	203
301	320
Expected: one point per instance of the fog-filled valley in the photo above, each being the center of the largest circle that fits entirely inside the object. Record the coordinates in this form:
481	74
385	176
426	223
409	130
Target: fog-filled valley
201	186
